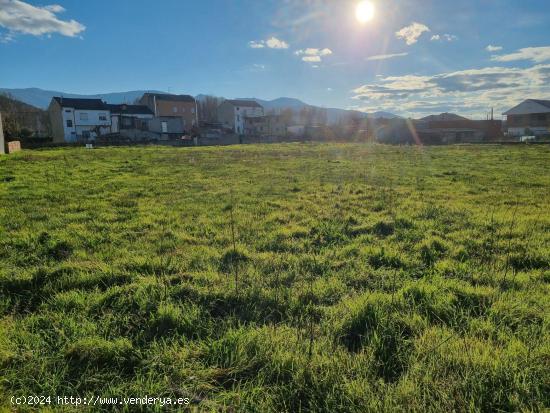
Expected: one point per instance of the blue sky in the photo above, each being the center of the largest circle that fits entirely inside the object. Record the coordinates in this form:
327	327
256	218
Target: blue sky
414	57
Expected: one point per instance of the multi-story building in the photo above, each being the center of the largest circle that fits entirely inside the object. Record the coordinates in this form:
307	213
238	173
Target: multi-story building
78	119
233	114
177	114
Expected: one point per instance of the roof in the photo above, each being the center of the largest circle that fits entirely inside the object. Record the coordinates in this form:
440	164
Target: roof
523	108
245	103
90	104
172	98
541	102
130	109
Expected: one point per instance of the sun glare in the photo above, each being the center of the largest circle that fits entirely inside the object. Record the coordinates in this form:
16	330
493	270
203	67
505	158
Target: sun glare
364	12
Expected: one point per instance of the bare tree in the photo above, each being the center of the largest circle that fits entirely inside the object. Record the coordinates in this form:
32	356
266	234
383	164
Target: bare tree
208	108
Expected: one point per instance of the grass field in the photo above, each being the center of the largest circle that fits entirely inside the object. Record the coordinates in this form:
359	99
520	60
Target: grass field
279	278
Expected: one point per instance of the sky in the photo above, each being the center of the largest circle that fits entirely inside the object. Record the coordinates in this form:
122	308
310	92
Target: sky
413	58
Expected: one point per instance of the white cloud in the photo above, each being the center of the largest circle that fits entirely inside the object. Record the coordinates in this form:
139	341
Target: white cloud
272	43
312	54
310	51
311	58
444	37
55	8
412	32
470	92
386	56
254	44
492	48
535	54
19	17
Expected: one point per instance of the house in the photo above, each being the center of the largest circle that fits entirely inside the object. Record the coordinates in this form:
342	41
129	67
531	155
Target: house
232	114
175	115
531	117
75	120
445	128
131	121
269	125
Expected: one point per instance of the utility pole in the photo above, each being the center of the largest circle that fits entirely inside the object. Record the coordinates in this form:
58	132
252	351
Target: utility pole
2	147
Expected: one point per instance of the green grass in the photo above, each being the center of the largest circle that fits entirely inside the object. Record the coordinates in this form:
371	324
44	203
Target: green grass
279	278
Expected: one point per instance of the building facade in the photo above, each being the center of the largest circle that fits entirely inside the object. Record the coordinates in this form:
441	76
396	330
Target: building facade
530	118
74	120
269	125
233	114
131	121
178	112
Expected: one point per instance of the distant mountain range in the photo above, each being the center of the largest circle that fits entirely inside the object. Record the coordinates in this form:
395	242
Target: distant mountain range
333	114
41	98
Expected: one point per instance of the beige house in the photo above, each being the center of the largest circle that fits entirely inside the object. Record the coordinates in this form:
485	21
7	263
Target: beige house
167	107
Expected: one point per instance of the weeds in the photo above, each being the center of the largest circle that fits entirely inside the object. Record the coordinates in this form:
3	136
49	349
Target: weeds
338	277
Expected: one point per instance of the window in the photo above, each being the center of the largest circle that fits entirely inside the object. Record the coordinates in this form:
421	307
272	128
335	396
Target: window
175	109
69	123
102	116
83	116
67	110
164	127
192	110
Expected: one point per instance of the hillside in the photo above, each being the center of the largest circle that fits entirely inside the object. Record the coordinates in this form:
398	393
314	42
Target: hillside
443	117
18	116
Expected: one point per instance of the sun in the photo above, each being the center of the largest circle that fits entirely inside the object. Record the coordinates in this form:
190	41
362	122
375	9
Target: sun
364	12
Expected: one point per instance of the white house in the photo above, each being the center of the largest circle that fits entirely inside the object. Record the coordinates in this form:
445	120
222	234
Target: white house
530	117
232	113
78	119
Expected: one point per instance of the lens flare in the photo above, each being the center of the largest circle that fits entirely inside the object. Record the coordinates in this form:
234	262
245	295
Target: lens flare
364	12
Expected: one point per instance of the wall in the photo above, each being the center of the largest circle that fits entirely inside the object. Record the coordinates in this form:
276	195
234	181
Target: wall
242	112
56	121
174	127
92	117
186	111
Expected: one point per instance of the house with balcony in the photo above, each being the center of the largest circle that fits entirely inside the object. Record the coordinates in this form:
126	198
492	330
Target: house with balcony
74	120
131	121
234	114
530	118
